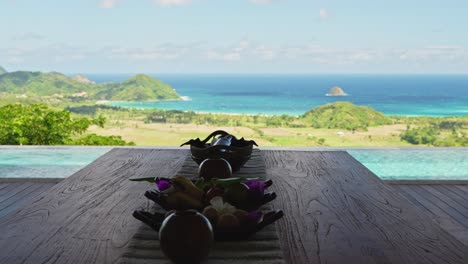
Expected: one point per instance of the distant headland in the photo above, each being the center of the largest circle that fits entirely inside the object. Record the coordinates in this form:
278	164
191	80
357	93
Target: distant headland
336	91
140	87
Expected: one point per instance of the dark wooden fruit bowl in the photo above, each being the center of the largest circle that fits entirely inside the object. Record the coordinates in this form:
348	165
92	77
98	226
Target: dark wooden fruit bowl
237	154
154	220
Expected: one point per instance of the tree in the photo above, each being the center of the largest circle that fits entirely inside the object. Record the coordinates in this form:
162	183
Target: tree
97	140
38	125
421	135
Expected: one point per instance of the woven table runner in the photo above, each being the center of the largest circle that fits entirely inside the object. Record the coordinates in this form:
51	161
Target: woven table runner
263	247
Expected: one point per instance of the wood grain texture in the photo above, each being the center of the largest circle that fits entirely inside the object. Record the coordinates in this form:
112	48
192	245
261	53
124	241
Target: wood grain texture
444	203
20	196
337	211
86	218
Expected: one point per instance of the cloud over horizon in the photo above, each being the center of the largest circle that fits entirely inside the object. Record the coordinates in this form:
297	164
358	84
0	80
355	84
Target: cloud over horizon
244	54
324	14
233	36
172	2
261	2
108	4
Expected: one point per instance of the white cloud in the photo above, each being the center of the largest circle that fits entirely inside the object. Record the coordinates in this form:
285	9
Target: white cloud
162	52
324	14
233	56
243	54
172	2
237	52
28	36
433	54
108	4
248	52
261	2
265	53
15	60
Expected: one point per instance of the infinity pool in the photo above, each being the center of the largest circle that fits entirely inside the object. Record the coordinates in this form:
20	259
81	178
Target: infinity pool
389	164
415	164
43	162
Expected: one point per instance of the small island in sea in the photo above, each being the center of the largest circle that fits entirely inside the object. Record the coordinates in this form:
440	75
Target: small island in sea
336	91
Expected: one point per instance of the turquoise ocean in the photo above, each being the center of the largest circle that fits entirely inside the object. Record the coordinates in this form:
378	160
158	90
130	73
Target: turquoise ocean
403	95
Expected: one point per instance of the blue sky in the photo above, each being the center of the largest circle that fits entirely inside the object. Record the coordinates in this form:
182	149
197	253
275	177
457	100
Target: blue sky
235	36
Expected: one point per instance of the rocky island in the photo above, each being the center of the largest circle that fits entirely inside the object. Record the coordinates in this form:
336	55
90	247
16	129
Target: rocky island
336	91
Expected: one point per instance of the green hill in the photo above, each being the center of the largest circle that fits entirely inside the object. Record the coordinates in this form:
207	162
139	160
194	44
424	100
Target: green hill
345	115
138	88
41	84
2	70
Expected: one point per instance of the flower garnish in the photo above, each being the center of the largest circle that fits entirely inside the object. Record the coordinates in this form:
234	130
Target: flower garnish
256	189
256	186
163	185
222	207
254	217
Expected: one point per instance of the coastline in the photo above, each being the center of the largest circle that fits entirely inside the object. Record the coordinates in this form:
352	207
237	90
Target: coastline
109	103
402	96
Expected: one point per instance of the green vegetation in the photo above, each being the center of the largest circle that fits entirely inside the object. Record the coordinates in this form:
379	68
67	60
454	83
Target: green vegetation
345	115
432	131
138	88
96	140
440	133
340	115
91	109
2	70
423	135
39	125
41	84
190	117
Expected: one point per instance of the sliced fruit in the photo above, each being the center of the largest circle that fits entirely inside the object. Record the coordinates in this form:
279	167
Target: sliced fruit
228	223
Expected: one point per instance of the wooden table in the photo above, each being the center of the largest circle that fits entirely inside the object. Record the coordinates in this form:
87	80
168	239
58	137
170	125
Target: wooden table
336	211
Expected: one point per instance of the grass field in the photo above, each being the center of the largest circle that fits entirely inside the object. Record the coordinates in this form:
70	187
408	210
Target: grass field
167	134
171	128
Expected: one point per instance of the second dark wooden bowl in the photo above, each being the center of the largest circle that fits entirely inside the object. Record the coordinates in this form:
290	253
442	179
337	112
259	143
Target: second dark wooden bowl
237	154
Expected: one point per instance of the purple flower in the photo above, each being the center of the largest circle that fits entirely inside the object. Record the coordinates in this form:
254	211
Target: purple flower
163	185
256	188
254	217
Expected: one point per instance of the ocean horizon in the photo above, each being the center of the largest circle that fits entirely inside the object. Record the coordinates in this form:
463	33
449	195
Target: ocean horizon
294	94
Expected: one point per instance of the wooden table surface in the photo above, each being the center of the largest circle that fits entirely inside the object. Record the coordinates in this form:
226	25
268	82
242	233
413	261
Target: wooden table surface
336	211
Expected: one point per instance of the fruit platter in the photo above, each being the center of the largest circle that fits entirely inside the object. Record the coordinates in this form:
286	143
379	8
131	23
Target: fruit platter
216	205
231	205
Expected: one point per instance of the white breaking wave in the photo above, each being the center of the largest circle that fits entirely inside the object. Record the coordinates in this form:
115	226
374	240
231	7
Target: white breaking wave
185	98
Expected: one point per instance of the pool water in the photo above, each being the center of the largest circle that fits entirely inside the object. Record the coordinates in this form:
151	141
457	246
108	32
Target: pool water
43	162
389	164
415	164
